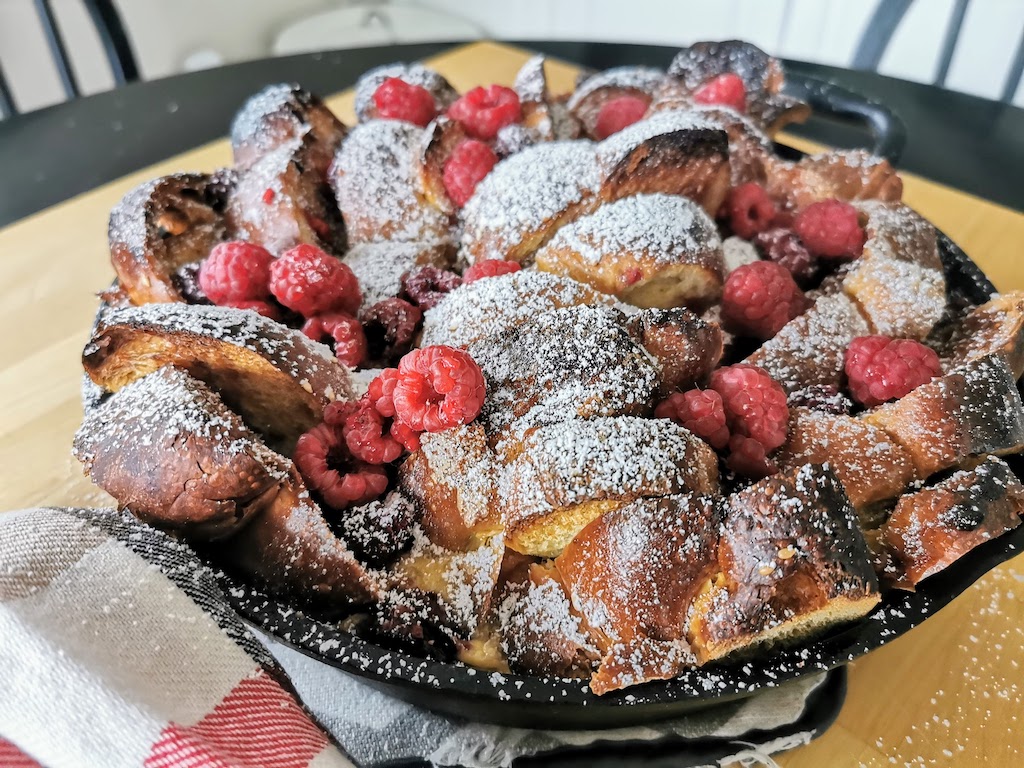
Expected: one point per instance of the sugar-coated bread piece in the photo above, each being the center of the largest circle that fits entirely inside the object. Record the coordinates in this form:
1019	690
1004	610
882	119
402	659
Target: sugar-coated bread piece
972	410
275	377
793	562
570	473
290	547
162	225
485	307
452	479
871	465
898	281
526	198
283	200
278	114
545	117
438	141
996	327
168	449
841	174
934	527
580	361
540	633
598	89
648	250
672	152
633	575
379	267
761	74
686	346
413	74
376	181
811	348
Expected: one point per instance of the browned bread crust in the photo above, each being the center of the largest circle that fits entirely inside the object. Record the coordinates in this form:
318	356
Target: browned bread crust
633	575
162	225
972	410
275	377
439	140
793	561
686	346
996	327
413	74
841	174
936	526
168	449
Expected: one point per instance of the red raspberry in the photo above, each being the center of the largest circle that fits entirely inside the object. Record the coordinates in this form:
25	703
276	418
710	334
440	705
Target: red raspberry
367	436
489	268
438	388
759	298
398	100
390	327
747	457
754	403
381	392
326	465
619	113
335	413
428	285
700	411
264	308
750	209
407	436
485	111
783	247
831	229
344	331
468	164
236	271
726	89
879	369
308	281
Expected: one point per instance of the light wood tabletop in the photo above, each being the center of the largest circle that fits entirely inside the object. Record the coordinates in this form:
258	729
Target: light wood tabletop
948	693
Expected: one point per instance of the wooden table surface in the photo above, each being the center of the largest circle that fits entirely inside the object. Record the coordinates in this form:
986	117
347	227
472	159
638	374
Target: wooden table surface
949	693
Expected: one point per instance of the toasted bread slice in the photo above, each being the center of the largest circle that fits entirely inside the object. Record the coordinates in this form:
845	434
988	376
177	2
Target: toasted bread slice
686	346
568	474
974	409
996	327
934	527
278	380
841	174
793	562
438	141
598	89
413	74
162	225
283	200
633	575
279	114
168	449
648	250
545	117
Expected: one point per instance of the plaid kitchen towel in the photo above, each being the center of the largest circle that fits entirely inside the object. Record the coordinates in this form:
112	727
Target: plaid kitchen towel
119	648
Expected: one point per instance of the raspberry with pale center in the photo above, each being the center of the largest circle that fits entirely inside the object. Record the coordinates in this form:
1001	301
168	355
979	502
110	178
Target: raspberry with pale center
343	332
879	369
328	468
618	113
310	282
396	99
438	388
465	168
726	89
236	271
485	111
758	299
749	209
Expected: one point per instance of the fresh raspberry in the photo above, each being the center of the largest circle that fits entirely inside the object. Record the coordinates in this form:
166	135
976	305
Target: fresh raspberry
398	100
390	327
821	397
407	436
308	281
726	89
759	298
489	268
236	271
830	229
265	308
880	369
619	113
783	247
428	285
700	411
326	465
747	457
750	210
438	388
345	334
465	168
754	403
335	413
381	392
485	111
367	436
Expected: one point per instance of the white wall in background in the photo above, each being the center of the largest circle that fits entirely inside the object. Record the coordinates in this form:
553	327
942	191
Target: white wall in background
171	34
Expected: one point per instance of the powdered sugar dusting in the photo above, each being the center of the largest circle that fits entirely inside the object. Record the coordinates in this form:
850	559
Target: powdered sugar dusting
413	74
645	79
617	146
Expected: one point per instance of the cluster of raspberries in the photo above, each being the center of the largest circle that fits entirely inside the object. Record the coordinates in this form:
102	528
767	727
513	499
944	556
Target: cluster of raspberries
344	459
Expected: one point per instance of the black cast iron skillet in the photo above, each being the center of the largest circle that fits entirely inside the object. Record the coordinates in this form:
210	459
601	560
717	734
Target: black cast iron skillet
536	702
